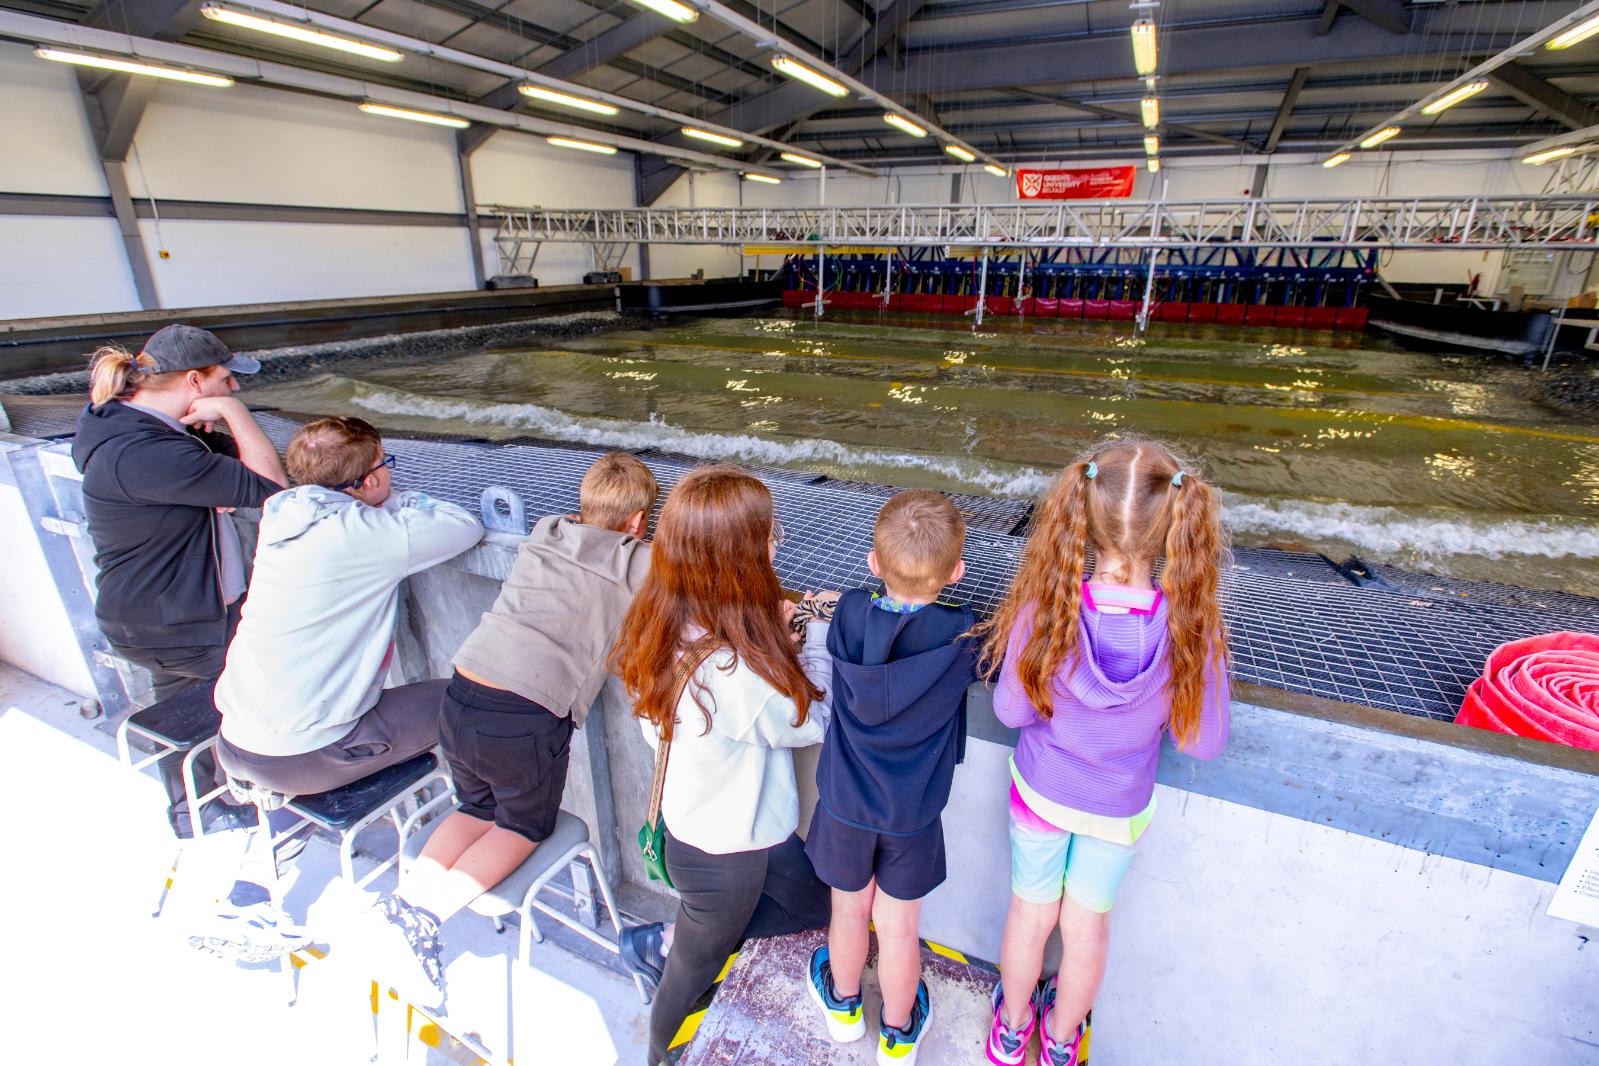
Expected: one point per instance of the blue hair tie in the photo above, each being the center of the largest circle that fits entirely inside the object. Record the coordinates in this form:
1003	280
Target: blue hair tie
1177	479
1093	470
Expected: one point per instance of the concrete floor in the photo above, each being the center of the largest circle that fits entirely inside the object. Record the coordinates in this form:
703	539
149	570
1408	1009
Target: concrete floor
92	976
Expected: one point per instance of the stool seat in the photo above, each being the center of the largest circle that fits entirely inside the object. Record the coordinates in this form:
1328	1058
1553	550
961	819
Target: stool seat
180	721
341	808
507	896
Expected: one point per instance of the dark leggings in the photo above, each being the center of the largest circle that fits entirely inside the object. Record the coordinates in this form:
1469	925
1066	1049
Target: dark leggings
722	901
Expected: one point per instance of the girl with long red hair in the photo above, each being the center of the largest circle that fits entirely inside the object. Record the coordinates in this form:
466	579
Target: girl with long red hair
1095	670
730	804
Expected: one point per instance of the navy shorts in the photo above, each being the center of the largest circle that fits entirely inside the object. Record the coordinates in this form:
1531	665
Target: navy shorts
508	756
847	857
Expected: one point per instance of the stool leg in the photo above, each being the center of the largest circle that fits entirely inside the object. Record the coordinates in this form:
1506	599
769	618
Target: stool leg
166	883
616	917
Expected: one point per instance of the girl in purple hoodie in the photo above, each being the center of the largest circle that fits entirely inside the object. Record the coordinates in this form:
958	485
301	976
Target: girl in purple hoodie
1101	656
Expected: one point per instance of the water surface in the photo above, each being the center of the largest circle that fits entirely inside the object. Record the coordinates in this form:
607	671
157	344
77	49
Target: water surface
1337	443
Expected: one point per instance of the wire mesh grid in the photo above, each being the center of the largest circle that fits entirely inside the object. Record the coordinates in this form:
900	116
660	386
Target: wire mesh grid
1431	586
1292	625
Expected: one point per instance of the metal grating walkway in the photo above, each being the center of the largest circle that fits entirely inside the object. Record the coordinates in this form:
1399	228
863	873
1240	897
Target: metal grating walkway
1297	624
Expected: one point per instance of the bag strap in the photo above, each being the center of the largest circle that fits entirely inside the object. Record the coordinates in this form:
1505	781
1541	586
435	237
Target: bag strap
686	665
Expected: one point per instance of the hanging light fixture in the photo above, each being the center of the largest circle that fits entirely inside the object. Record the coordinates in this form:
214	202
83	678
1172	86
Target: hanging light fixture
997	171
793	68
1152	165
1152	145
1144	54
415	116
764	179
1337	160
900	122
296	32
670	9
960	153
128	66
1576	35
1538	159
1454	96
582	146
801	160
1149	110
714	138
560	99
1380	136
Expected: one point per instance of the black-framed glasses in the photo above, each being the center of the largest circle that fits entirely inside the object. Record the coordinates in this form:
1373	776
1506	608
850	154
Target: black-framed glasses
387	461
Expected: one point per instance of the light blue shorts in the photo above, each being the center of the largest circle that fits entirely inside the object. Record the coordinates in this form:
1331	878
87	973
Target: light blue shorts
1043	864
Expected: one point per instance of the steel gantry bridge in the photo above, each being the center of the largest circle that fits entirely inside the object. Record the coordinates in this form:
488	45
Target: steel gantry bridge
1359	223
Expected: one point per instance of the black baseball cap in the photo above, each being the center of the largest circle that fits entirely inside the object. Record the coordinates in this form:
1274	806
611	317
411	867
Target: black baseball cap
180	347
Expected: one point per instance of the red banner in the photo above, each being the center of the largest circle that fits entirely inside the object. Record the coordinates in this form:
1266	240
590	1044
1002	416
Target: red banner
1092	184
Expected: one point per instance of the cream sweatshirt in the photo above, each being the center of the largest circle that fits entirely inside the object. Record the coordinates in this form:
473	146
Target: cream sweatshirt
731	788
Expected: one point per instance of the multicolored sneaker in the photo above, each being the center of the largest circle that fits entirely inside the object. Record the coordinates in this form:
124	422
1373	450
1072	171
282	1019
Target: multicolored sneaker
1008	1046
845	1021
1054	1052
255	933
897	1047
409	953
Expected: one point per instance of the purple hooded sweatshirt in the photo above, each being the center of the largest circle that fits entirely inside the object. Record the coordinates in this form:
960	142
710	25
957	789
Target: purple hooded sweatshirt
1099	750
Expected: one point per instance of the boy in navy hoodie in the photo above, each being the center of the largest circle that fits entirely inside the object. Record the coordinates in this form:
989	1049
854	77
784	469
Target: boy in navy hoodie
900	672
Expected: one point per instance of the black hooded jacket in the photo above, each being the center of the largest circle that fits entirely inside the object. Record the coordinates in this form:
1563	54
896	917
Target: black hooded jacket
899	713
150	494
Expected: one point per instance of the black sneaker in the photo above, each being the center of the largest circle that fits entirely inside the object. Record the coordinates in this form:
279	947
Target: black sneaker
640	947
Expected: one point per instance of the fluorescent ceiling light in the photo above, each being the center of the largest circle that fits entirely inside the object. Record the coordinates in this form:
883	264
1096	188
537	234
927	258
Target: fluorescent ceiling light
763	179
960	153
1337	160
128	66
560	99
1540	158
1152	145
416	116
1149	109
670	9
793	68
801	160
900	122
582	146
714	138
295	32
1577	34
998	172
1153	165
1453	97
1380	136
1144	47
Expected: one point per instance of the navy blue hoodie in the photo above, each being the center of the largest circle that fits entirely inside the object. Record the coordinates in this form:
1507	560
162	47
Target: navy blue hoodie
899	713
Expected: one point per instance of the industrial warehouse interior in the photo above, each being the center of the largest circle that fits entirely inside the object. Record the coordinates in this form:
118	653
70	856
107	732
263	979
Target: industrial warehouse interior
418	418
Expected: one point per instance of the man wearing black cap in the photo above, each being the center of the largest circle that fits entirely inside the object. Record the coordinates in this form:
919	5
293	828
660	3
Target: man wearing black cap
158	484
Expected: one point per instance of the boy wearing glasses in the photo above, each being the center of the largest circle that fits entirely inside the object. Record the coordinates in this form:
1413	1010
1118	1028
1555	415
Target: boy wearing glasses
303	705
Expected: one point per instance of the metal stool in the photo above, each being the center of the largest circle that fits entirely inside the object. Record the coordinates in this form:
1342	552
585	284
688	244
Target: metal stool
347	811
519	892
186	724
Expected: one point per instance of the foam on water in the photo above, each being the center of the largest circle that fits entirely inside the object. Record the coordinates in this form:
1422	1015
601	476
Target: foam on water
1384	532
998	478
1388	532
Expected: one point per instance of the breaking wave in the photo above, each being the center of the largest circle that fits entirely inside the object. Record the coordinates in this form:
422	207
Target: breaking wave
984	475
1387	532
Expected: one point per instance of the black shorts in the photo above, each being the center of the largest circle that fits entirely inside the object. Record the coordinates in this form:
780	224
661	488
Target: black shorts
847	857
508	756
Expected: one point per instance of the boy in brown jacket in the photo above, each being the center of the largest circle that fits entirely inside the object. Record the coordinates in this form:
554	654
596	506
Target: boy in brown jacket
523	681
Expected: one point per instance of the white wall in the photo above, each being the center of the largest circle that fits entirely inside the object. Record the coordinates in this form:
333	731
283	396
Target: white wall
700	190
525	171
62	266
